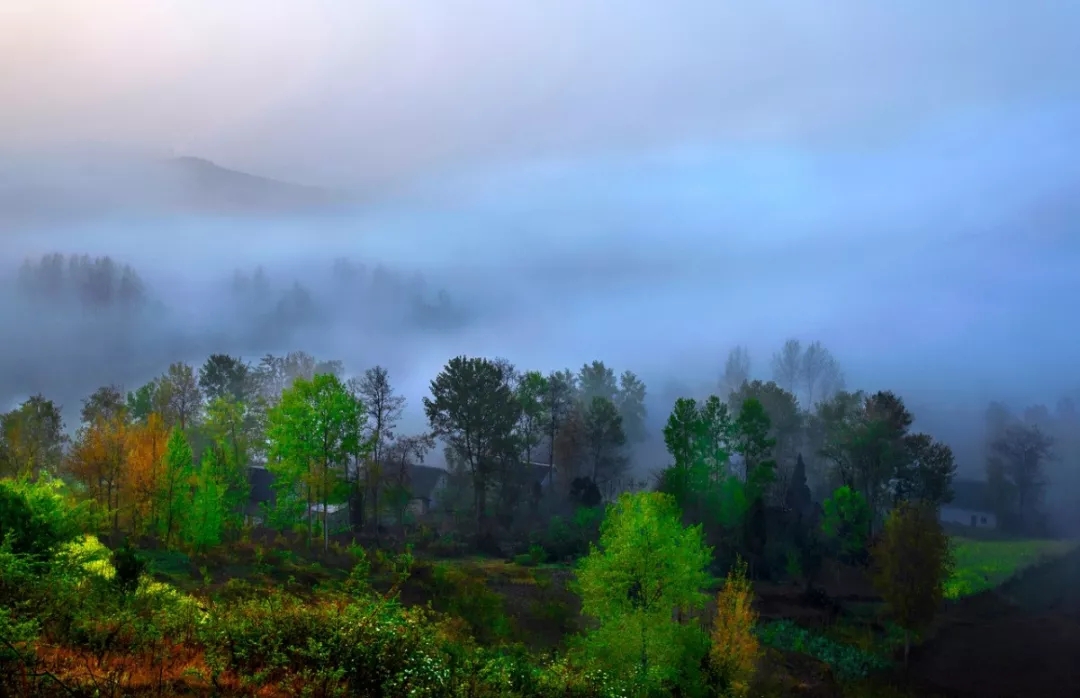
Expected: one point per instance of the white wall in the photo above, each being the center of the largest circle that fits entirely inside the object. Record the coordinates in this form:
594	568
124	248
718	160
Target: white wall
983	519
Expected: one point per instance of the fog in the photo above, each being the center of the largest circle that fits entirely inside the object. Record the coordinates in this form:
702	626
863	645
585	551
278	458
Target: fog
584	180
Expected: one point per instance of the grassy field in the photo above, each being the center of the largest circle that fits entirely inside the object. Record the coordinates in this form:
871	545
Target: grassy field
985	564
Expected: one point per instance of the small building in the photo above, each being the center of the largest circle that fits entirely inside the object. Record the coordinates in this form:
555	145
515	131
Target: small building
970	505
426	483
262	494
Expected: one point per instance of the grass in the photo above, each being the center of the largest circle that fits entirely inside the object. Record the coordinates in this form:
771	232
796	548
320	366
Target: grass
985	564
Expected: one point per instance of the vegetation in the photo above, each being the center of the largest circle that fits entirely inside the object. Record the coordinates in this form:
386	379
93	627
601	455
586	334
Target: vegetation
134	560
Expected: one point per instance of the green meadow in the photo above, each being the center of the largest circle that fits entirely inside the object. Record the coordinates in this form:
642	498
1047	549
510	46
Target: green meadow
985	564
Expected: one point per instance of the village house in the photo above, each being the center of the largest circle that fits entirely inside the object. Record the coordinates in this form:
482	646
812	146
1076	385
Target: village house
970	505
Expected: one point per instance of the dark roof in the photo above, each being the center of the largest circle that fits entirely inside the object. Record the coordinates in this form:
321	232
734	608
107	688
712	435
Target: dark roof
970	494
423	479
260	480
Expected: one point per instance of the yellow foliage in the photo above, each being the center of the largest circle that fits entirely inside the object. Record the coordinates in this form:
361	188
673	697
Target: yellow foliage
735	650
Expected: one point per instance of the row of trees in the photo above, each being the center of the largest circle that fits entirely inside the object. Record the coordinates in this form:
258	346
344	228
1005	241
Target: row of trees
327	440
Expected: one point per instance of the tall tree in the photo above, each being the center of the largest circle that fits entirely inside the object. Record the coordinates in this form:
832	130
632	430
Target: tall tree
107	402
785	426
604	439
206	515
383	410
596	380
631	403
312	432
558	403
225	376
925	473
753	443
232	432
144	401
817	363
175	486
531	391
1017	457
184	399
736	370
787	365
32	438
146	449
474	410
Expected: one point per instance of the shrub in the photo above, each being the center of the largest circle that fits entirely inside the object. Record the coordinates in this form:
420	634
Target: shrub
735	649
129	566
847	662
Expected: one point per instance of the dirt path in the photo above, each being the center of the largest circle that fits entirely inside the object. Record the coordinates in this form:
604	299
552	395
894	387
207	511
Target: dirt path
1019	641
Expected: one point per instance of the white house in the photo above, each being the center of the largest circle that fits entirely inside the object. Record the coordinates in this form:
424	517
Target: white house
970	505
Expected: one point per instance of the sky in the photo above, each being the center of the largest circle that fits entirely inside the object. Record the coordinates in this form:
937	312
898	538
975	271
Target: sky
648	183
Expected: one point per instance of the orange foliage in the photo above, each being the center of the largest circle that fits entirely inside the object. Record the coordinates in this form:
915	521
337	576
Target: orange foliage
146	448
98	458
735	650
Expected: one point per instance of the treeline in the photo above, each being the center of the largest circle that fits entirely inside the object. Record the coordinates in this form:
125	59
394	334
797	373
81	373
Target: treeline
171	458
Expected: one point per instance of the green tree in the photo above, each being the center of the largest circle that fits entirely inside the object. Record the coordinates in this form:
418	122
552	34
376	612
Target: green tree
179	389
312	431
175	484
206	515
474	410
753	443
604	439
913	561
32	438
785	425
925	473
845	521
631	403
646	568
224	376
596	380
143	402
557	405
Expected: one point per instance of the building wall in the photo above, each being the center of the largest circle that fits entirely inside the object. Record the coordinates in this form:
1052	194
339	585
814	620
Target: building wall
965	517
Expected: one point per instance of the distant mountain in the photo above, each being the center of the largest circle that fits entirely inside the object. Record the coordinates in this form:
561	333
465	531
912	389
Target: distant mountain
186	185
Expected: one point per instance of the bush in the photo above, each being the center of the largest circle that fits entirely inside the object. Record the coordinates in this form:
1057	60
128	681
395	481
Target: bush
37	517
129	566
735	649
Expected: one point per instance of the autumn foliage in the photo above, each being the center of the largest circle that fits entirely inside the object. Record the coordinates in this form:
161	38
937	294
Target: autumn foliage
735	649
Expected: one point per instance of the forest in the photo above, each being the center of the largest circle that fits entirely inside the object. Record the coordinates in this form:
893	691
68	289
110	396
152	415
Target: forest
138	557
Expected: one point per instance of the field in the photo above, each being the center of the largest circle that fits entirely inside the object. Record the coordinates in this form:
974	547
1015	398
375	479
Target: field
983	564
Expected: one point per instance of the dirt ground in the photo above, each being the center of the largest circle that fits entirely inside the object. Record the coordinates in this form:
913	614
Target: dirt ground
1020	640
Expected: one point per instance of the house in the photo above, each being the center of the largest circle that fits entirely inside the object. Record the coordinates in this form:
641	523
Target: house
970	505
426	483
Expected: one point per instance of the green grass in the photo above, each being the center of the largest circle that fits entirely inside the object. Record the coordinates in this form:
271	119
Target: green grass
985	564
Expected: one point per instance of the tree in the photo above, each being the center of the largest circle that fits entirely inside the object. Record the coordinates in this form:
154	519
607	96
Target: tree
736	370
107	402
143	401
604	439
596	380
926	472
1017	458
176	477
735	649
98	458
232	431
557	404
204	522
383	409
312	432
752	442
913	562
474	410
400	457
630	401
785	425
146	449
646	566
184	399
845	521
531	391
819	373
225	376
32	438
787	365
